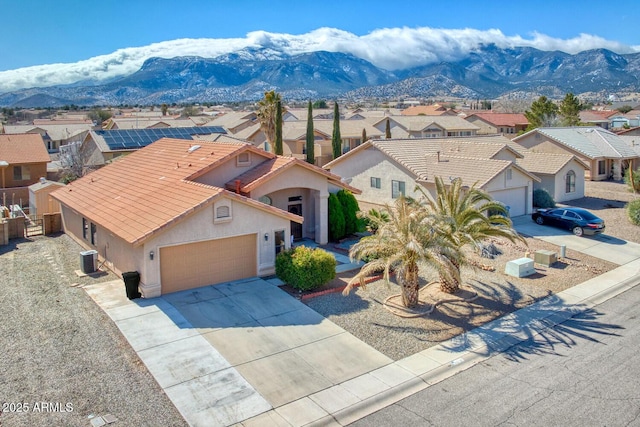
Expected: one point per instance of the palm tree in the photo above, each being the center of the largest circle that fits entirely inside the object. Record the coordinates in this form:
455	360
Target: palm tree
267	116
403	242
465	216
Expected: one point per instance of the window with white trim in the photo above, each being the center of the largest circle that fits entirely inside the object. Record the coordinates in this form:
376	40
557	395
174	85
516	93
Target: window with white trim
222	211
570	182
375	182
397	189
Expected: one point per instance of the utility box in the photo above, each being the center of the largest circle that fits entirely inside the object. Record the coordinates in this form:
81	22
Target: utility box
520	267
546	258
89	261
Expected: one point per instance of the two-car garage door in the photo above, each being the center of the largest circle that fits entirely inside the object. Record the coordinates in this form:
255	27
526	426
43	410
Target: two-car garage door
515	198
207	263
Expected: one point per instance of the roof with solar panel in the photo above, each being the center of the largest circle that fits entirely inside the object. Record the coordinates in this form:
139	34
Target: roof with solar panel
134	139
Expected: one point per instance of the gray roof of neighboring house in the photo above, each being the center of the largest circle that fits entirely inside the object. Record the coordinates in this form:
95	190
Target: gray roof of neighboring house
632	141
57	132
594	142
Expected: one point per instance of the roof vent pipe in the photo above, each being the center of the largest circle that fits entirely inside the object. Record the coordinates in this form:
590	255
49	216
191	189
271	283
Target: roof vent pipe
43	180
438	153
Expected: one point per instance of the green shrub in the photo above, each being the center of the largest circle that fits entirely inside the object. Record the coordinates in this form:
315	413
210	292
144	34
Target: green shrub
633	210
336	218
305	268
542	199
373	219
350	210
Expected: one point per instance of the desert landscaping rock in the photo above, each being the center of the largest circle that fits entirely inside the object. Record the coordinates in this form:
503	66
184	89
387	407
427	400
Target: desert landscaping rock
58	346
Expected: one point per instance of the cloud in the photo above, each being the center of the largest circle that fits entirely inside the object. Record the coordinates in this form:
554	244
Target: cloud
389	48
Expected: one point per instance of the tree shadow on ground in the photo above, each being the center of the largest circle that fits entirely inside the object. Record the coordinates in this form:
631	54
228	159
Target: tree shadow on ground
583	325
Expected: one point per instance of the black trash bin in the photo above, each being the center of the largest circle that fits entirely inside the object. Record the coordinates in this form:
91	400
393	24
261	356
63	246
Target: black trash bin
131	282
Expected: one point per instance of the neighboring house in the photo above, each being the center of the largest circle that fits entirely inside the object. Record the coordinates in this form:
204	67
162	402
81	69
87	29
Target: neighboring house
385	169
508	124
141	122
403	127
605	152
624	121
294	138
428	110
234	121
102	146
562	175
597	117
186	214
54	134
23	161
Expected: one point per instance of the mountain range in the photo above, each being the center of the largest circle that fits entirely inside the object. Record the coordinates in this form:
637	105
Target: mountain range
488	72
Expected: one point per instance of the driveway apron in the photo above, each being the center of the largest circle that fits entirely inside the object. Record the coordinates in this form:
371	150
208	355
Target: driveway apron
601	246
229	352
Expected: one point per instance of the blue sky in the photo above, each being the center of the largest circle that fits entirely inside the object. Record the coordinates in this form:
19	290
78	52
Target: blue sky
38	32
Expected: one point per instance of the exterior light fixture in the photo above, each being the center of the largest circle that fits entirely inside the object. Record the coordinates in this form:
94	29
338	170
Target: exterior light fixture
151	254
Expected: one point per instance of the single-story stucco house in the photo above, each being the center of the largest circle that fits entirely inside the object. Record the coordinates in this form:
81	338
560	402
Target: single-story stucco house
185	214
606	153
384	169
562	175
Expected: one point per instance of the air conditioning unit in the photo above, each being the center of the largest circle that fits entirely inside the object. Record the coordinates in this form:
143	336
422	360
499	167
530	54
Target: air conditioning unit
89	261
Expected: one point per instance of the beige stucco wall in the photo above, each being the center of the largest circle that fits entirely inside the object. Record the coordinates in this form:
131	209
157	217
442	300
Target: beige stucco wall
485	128
314	189
228	170
372	163
120	255
560	184
199	226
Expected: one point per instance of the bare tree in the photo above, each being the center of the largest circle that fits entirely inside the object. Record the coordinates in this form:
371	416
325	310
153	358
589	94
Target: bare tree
74	161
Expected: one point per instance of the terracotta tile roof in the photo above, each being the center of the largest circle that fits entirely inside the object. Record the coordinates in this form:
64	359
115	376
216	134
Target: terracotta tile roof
596	116
502	119
149	190
23	148
266	171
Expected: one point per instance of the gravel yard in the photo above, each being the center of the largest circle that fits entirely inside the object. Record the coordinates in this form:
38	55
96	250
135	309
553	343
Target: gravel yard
362	313
60	347
607	199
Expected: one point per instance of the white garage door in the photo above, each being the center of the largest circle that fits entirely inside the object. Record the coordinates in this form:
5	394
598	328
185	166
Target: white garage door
515	198
193	265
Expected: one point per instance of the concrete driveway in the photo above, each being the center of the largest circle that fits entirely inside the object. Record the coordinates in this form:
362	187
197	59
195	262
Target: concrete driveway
229	352
602	246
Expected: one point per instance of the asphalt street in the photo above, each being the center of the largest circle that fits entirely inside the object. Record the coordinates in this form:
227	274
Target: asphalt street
583	372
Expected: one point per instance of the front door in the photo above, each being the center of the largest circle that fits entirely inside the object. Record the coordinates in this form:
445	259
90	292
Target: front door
296	229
